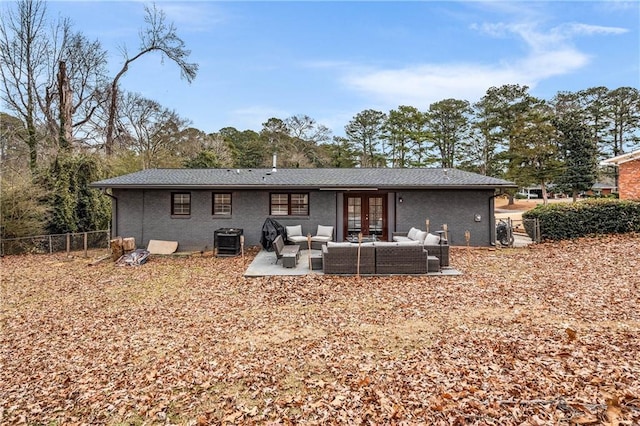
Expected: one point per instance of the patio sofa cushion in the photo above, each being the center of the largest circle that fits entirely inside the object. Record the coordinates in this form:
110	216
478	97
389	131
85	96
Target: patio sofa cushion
414	234
408	243
340	244
395	243
398	238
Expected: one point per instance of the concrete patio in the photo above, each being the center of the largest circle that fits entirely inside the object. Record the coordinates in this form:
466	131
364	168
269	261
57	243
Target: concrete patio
265	265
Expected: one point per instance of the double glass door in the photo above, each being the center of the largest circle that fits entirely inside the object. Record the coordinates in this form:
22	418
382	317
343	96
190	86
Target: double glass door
367	214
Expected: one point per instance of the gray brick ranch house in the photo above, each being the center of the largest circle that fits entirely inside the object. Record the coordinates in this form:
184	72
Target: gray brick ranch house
189	205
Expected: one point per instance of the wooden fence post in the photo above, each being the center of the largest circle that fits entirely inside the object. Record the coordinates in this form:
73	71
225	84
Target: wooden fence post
68	244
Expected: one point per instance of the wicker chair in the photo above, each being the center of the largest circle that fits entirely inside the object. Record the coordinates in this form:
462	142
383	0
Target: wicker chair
344	259
288	254
324	234
393	259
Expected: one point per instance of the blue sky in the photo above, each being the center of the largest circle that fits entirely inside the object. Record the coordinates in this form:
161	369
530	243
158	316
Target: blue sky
330	60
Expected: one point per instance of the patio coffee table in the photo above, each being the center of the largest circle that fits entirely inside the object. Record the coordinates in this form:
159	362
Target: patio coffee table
368	239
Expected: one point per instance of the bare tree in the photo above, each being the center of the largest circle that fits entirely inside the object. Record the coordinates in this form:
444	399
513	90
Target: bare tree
23	54
52	79
150	130
76	91
157	37
307	129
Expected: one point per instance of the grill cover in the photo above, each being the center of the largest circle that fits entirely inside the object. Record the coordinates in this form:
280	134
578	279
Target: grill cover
270	230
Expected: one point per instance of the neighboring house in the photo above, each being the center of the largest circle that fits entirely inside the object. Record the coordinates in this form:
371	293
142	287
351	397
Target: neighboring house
628	174
600	189
530	192
189	205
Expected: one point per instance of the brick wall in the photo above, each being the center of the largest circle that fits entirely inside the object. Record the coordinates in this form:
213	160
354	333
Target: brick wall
629	180
146	214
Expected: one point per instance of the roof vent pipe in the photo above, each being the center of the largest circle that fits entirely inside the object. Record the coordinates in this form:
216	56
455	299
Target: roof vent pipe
275	160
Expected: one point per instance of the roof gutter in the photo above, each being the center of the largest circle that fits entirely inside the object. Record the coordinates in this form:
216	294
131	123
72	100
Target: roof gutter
307	187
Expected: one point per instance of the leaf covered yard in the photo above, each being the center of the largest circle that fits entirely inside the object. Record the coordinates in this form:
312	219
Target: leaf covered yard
548	334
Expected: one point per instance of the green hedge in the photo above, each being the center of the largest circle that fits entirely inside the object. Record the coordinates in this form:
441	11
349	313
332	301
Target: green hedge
561	221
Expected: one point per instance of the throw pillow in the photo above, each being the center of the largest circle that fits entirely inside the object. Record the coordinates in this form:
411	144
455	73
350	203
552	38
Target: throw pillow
431	240
412	233
420	236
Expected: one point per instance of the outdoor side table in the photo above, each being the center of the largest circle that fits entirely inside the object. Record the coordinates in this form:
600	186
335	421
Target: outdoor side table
316	261
289	260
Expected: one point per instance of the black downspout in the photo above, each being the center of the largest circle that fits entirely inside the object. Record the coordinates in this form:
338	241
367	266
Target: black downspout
114	213
492	221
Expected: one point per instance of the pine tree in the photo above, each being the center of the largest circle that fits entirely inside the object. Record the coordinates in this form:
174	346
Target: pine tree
580	155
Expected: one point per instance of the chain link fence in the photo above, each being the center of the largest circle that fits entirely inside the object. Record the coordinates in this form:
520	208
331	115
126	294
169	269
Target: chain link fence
55	243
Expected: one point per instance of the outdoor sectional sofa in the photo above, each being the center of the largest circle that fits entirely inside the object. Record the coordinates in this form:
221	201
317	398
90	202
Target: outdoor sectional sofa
378	258
342	258
434	244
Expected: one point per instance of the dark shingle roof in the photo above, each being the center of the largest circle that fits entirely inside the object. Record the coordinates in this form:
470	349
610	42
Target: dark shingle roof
303	178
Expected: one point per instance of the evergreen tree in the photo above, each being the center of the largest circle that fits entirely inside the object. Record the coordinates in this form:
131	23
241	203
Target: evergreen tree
580	155
448	121
203	160
365	132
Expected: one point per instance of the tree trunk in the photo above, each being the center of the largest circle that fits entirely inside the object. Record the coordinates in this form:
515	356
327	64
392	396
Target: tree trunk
64	137
545	195
108	143
32	142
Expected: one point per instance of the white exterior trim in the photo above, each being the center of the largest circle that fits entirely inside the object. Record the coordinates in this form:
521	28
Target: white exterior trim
624	158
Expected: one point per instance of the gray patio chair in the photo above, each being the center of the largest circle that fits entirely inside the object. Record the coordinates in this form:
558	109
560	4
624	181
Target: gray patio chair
324	234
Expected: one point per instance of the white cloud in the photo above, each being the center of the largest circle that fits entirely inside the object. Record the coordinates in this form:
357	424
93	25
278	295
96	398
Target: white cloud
586	29
193	16
252	117
423	85
549	53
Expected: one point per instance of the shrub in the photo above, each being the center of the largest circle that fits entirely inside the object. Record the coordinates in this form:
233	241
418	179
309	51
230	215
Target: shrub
560	221
21	211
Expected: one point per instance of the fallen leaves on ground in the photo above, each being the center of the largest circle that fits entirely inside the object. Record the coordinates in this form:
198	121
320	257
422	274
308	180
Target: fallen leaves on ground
542	335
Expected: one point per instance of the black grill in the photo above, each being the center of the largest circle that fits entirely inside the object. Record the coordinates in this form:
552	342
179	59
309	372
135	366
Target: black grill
227	241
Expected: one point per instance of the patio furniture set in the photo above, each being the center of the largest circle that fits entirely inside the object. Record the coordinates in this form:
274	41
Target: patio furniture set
413	252
323	235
